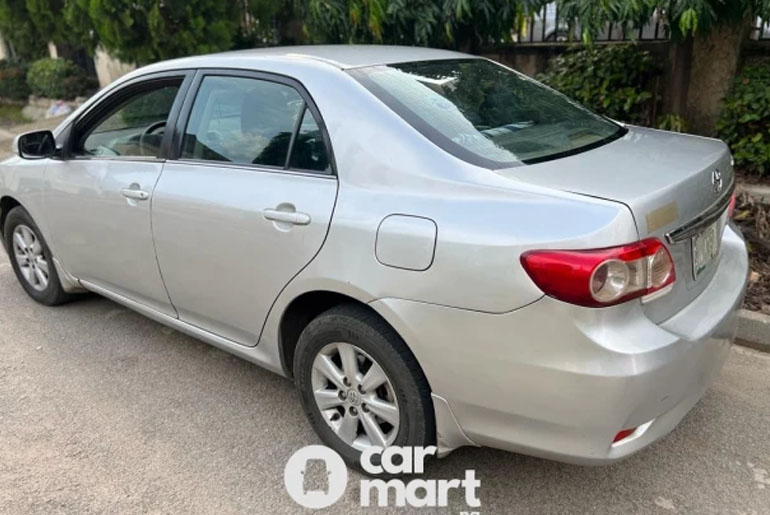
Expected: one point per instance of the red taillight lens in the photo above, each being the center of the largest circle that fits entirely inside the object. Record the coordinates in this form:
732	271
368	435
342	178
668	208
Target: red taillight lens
731	206
602	277
622	435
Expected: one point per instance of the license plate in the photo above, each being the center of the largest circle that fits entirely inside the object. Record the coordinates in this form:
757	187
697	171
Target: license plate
705	247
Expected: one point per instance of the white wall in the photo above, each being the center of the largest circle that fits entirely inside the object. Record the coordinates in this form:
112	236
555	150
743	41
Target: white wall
5	52
108	69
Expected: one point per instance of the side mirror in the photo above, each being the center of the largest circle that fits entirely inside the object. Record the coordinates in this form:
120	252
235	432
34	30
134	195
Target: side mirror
35	145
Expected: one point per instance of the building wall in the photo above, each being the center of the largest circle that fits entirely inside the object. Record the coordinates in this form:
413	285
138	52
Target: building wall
108	69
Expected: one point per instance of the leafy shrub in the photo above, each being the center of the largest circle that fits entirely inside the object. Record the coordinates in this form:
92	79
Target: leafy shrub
57	78
612	80
745	120
673	123
13	81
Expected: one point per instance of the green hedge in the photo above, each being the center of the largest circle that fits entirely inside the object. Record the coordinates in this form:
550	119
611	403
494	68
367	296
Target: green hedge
58	79
745	120
13	81
613	80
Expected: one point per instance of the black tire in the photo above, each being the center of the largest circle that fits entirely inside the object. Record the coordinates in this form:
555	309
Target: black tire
53	294
358	325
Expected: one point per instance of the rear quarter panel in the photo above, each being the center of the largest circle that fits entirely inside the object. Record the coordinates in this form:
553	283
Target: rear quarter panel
484	220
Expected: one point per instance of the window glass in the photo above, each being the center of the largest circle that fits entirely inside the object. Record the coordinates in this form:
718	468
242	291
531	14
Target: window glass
485	113
241	120
309	151
135	128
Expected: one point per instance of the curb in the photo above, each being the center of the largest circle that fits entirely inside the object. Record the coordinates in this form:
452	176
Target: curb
760	193
753	330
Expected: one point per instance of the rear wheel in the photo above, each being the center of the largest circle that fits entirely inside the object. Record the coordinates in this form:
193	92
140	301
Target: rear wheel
31	259
360	385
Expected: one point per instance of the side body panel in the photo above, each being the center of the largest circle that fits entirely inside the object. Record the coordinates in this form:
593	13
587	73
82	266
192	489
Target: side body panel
483	221
101	236
223	262
22	180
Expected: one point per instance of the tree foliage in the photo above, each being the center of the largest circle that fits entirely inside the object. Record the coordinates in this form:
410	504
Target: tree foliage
683	16
467	24
147	30
57	78
18	29
13	81
613	80
61	22
271	22
142	31
745	120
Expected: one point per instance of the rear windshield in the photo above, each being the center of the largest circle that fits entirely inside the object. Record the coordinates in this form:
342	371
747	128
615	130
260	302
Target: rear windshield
485	113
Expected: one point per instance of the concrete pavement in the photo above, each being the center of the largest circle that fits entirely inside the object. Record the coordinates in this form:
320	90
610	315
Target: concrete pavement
104	411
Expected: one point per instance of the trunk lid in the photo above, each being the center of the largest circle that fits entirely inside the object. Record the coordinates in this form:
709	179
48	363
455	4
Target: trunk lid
671	185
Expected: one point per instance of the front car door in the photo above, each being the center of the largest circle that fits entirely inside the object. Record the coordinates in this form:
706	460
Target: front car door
248	202
98	195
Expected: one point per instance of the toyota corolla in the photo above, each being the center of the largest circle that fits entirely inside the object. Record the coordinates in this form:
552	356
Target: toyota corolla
437	249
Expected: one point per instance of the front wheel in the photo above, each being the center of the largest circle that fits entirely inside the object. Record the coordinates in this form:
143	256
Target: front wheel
31	259
359	384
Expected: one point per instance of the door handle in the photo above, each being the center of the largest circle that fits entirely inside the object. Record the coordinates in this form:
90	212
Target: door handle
288	217
135	194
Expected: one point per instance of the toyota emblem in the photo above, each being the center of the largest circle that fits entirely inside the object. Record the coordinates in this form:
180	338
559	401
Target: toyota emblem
716	181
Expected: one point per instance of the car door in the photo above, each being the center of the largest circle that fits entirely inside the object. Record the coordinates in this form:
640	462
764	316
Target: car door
247	203
99	192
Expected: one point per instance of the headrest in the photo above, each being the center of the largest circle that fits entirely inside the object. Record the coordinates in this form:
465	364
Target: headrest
264	109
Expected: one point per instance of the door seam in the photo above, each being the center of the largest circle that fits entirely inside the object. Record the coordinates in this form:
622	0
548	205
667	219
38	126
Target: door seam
154	246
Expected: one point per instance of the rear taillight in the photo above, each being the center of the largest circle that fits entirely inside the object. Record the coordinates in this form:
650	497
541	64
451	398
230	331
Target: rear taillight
731	206
622	435
602	277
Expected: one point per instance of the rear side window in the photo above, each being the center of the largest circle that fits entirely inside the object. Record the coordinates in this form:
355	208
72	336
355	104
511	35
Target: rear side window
309	152
250	121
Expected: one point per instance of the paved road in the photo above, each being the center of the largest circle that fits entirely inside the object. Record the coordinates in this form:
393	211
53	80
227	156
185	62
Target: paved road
104	411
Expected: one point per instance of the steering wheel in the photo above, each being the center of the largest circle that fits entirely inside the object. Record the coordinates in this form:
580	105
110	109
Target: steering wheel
149	130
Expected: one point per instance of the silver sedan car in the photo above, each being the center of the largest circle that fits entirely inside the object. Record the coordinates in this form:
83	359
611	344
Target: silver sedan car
437	249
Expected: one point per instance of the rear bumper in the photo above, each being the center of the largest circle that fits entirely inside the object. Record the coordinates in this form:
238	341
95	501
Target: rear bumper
559	381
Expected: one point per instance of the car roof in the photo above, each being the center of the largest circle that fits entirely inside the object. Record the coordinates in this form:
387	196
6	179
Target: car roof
340	56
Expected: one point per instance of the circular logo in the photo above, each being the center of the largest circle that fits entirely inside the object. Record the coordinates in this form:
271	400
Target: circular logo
311	496
354	398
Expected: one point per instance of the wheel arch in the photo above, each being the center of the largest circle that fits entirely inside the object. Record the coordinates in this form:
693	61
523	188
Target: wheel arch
306	307
299	313
7	203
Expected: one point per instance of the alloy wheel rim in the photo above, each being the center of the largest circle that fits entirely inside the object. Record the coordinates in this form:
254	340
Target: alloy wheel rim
355	396
28	252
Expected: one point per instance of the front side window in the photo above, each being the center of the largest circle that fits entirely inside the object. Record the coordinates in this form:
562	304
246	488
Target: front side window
242	120
133	128
485	113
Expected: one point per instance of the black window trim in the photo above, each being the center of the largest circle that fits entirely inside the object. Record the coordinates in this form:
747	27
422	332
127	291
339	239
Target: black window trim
294	134
104	106
175	150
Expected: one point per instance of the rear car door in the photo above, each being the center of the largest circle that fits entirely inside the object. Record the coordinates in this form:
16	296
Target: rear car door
98	194
247	202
